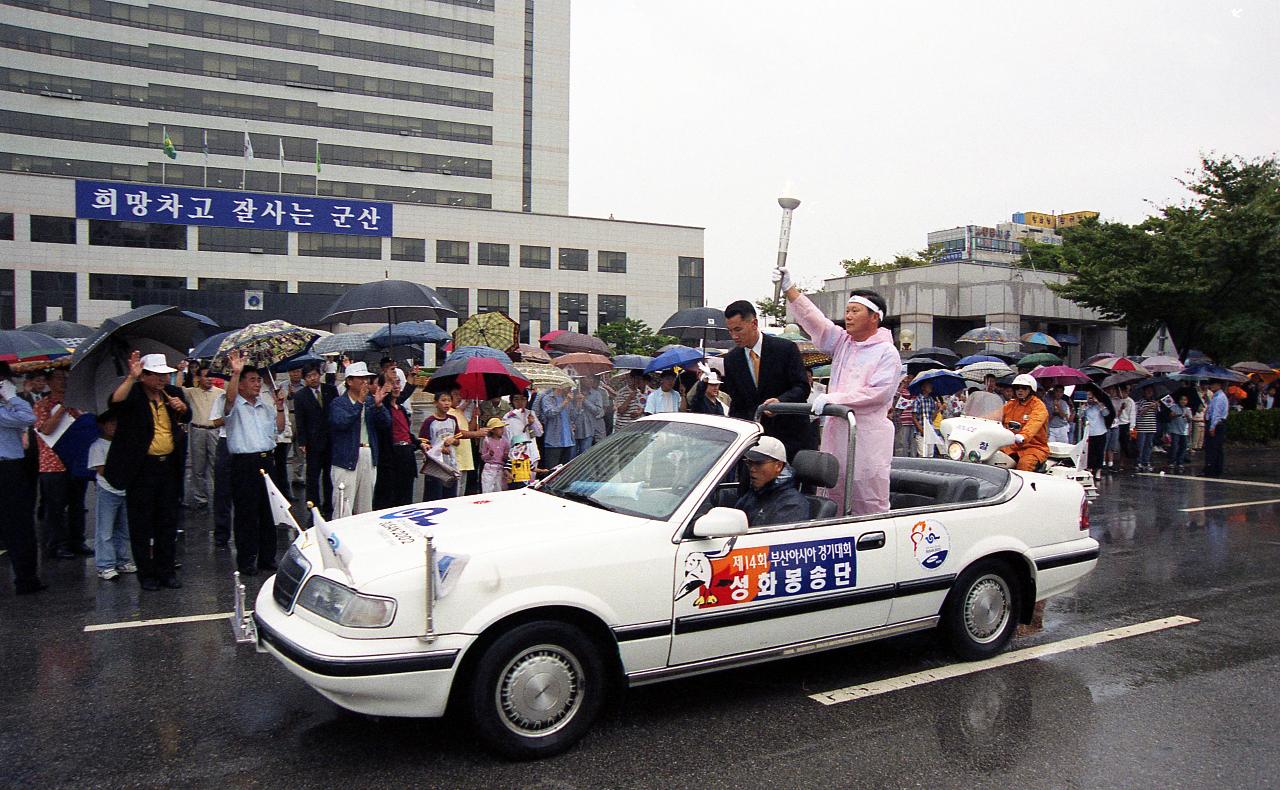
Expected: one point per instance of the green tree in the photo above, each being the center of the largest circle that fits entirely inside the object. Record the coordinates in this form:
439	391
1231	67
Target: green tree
1209	266
854	267
632	336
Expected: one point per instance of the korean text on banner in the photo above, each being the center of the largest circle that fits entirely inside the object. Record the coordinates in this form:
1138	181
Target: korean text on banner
170	205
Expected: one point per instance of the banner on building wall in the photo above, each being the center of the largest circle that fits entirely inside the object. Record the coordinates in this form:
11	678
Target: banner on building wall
171	205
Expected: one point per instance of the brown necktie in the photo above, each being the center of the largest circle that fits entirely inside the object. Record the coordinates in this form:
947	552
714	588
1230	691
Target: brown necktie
755	366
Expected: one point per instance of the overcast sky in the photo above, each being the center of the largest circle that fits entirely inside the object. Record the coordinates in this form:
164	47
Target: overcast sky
892	119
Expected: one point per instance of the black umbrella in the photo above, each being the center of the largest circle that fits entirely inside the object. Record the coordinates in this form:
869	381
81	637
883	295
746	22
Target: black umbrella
388	302
59	329
207	348
920	363
697	323
944	355
101	361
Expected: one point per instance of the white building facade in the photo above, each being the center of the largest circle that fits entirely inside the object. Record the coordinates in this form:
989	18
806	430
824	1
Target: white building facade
453	116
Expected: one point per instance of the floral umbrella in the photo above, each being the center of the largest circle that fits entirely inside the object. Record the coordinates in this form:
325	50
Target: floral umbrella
495	330
528	353
986	334
266	343
583	364
544	376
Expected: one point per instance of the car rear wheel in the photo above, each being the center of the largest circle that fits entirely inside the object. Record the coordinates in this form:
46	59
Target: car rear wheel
536	690
980	615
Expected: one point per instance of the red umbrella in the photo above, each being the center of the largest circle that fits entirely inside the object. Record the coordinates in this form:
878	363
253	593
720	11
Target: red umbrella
1093	360
479	378
1119	364
1059	374
552	335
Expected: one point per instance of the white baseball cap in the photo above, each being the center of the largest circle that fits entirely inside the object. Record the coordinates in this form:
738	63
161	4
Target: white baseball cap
767	449
156	363
358	370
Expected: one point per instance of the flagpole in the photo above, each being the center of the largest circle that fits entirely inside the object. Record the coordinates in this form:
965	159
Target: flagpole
317	184
204	181
280	179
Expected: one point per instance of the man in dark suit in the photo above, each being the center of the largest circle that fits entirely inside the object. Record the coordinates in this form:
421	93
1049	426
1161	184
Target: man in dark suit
763	370
311	422
146	462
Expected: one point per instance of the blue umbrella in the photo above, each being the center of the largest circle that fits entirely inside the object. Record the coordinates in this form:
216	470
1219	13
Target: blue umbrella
298	362
1205	371
477	352
208	347
631	362
681	356
409	333
945	382
969	360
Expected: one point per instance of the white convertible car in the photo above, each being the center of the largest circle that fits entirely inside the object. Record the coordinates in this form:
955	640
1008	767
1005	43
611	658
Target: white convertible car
522	610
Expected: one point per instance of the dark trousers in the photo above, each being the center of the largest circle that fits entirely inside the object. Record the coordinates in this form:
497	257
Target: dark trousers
1214	450
281	475
17	523
383	484
1097	444
1127	444
255	527
222	493
63	496
319	482
403	471
152	503
554	456
433	488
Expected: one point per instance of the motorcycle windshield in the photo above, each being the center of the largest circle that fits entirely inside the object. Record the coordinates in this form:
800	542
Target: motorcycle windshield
987	405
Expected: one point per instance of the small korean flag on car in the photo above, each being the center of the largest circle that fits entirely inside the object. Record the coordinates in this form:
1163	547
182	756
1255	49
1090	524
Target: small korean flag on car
253	300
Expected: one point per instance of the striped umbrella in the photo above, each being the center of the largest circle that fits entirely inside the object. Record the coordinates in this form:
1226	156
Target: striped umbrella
1119	365
17	345
1040	339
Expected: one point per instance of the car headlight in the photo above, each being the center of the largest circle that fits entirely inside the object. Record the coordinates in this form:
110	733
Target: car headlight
955	451
345	606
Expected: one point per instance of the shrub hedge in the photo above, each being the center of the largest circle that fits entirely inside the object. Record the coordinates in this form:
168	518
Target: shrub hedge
1253	427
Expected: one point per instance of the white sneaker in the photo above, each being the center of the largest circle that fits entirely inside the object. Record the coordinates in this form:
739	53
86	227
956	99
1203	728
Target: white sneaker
108	574
128	567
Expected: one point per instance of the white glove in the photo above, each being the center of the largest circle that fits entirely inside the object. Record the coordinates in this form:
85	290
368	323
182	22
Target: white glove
819	403
783	278
1018	438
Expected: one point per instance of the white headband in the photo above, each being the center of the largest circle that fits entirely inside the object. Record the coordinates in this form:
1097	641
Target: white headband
867	303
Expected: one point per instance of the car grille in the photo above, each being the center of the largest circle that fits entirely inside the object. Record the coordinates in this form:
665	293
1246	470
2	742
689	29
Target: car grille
293	569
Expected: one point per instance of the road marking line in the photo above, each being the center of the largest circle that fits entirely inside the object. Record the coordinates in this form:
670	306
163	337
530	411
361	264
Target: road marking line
850	693
195	618
1210	479
1234	504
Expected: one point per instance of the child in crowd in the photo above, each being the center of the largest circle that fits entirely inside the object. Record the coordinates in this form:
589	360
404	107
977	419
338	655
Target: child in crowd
1095	420
1179	427
494	452
1146	423
521	462
112	554
441	431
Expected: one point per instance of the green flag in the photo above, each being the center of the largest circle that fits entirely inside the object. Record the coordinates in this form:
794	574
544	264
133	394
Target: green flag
167	147
317	157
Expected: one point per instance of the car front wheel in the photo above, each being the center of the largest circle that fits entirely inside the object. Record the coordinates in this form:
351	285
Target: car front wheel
536	690
980	615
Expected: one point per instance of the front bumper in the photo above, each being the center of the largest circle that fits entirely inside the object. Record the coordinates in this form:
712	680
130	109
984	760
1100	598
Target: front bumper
381	677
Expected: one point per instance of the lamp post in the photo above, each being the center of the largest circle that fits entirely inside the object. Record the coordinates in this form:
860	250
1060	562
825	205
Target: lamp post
788	204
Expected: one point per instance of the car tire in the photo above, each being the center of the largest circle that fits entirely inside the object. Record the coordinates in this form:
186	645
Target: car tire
980	615
536	690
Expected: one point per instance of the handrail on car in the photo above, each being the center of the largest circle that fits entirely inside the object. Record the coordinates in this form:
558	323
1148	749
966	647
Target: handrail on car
830	410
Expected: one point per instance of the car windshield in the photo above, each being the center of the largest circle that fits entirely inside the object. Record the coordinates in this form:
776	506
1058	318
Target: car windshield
646	470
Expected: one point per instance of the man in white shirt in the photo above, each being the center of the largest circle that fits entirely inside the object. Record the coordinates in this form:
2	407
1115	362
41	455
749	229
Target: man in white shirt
203	446
253	421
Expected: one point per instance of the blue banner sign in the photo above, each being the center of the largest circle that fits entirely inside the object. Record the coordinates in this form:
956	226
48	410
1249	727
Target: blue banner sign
171	205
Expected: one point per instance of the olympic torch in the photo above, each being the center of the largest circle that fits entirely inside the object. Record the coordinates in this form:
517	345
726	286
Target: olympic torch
788	204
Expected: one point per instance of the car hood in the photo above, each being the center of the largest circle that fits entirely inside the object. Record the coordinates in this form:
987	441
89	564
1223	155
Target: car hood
372	545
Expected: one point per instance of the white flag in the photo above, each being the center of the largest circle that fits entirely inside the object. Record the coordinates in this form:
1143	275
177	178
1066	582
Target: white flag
333	553
279	505
248	147
281	153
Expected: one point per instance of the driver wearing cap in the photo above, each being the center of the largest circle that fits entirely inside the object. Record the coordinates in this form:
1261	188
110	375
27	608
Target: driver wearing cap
773	497
1027	417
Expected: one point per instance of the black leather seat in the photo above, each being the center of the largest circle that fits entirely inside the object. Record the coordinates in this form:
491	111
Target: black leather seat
920	488
816	468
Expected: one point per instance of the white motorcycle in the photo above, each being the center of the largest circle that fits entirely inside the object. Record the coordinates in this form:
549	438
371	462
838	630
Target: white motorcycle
978	435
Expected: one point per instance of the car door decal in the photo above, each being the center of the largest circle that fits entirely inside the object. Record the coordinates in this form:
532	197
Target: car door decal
764	573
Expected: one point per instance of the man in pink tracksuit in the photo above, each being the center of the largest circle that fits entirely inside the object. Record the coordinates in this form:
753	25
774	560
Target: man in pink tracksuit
865	369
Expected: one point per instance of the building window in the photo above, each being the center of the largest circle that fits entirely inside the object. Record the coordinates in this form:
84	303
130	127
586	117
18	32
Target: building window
573	260
124	287
253	240
535	257
614	262
491	301
8	304
613	308
323	289
690	283
573	309
453	252
534	306
458	299
153	235
6	226
53	230
339	245
230	284
55	290
409	250
494	254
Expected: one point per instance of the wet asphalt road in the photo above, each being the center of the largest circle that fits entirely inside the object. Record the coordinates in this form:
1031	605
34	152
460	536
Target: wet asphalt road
1193	706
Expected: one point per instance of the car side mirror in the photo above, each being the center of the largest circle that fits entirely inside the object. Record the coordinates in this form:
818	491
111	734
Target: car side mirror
721	522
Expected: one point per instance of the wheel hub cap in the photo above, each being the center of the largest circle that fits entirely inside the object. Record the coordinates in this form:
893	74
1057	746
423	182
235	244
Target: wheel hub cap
987	609
539	691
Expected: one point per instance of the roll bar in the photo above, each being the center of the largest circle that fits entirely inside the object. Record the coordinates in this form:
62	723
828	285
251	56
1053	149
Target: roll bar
830	410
